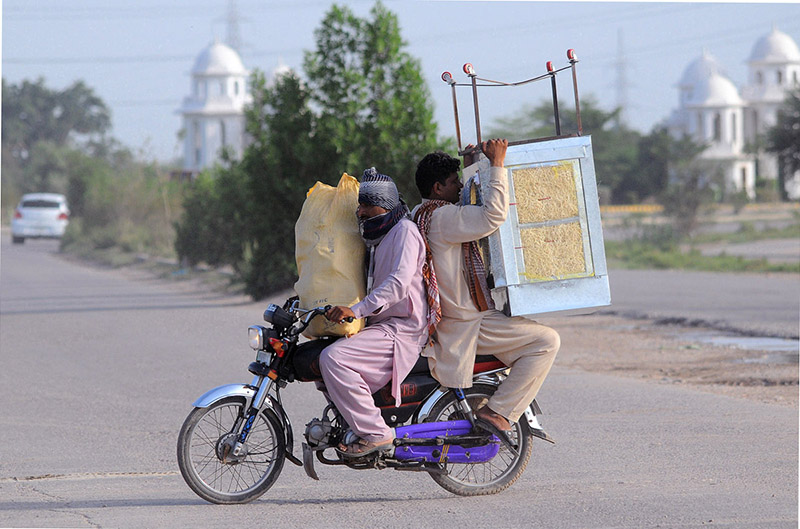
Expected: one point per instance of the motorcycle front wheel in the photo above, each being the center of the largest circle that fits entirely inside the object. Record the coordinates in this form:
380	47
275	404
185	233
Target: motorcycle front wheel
493	476
205	462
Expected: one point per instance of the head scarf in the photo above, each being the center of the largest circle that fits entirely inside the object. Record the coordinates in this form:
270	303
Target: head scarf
378	190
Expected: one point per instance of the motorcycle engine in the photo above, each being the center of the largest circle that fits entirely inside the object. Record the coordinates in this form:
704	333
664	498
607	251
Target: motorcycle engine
318	432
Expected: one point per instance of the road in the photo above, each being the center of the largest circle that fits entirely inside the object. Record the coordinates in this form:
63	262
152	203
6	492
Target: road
755	304
99	370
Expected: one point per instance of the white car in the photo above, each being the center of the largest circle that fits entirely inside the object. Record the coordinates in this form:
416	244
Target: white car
40	215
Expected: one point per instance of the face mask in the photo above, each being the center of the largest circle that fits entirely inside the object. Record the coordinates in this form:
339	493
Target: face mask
372	223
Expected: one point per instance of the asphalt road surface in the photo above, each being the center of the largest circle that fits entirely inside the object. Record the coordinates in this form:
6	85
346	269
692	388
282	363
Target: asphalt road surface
755	304
98	372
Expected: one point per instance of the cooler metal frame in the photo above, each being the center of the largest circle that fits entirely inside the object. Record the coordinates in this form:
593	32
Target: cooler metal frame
519	297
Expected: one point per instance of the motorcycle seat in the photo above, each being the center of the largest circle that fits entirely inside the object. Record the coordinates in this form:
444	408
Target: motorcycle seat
306	361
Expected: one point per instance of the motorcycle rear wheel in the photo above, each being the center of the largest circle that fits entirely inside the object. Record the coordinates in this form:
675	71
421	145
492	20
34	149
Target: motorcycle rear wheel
491	477
232	482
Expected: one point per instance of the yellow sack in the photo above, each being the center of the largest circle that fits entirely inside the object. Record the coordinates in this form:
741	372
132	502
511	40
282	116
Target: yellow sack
330	254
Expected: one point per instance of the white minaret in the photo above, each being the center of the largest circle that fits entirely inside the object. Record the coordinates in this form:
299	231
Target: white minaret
213	115
773	69
711	111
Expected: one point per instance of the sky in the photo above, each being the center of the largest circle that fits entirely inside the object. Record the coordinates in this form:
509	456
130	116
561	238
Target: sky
137	54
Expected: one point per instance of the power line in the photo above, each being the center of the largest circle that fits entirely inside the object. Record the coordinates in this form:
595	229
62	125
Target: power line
124	59
158	11
98	60
733	34
144	103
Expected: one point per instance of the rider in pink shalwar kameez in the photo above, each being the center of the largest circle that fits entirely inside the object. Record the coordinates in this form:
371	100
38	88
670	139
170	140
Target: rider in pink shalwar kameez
396	311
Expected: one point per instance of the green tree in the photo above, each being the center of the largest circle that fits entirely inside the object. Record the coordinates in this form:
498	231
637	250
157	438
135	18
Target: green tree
691	183
615	147
374	107
33	113
364	104
40	126
784	139
282	163
57	140
654	151
203	234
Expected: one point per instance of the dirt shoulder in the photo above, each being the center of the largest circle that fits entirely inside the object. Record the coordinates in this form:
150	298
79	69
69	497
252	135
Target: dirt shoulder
669	354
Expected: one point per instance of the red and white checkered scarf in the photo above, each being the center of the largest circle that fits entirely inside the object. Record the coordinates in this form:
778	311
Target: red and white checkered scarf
473	265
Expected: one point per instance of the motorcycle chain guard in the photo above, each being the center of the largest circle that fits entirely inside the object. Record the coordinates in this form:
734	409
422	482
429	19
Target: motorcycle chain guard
427	442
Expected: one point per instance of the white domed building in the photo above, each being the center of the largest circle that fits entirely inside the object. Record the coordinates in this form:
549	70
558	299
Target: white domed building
773	68
711	111
213	115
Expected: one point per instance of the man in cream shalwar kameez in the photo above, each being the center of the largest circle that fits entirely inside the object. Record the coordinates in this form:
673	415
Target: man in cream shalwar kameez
526	346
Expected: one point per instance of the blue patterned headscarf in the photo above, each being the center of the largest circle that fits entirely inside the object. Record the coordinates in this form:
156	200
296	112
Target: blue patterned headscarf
378	190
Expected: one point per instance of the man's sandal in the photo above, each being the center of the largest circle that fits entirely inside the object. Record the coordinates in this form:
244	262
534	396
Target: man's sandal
488	415
498	425
362	447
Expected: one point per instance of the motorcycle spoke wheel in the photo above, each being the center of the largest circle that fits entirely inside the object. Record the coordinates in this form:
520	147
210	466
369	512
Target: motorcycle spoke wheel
493	476
237	480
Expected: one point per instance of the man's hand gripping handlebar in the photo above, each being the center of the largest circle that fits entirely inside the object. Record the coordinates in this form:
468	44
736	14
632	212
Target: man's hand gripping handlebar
340	314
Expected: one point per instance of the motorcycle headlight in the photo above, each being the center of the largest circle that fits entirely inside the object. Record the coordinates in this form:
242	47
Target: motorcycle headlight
256	335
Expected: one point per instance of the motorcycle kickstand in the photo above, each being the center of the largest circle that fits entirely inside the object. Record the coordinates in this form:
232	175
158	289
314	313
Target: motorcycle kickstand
308	462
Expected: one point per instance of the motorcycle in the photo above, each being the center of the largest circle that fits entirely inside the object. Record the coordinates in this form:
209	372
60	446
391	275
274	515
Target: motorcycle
233	444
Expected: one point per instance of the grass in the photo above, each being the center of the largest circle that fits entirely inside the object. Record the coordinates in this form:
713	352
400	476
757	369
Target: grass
748	233
643	254
658	246
655	247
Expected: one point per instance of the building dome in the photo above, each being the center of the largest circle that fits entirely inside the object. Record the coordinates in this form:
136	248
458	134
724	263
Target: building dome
218	59
714	91
700	70
775	47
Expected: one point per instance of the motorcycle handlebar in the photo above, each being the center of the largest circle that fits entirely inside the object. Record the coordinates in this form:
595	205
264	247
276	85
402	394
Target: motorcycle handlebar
348	319
310	314
316	311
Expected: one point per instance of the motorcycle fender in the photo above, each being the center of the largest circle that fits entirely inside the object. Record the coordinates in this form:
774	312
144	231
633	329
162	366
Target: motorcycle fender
221	392
429	403
433	398
533	422
536	429
248	392
492	379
